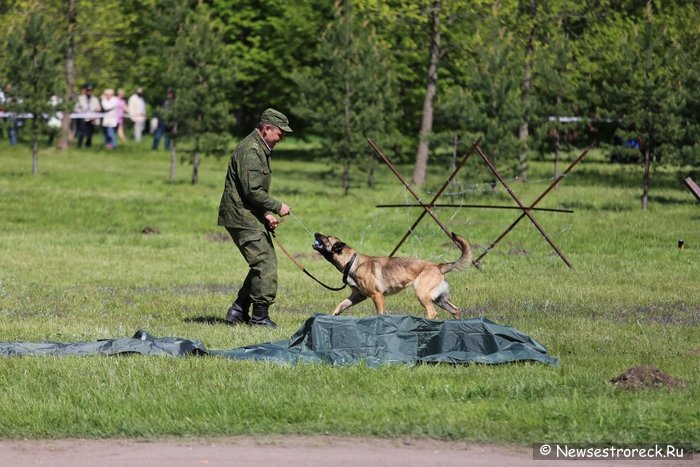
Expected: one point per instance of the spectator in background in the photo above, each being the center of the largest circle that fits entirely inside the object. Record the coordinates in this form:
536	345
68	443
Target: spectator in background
121	110
109	119
164	128
2	107
13	122
87	104
137	113
55	119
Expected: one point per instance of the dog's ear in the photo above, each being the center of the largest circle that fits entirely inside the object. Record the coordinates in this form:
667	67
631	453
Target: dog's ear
337	247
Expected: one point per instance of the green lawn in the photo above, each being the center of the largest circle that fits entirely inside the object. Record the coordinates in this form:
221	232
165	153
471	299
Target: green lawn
75	266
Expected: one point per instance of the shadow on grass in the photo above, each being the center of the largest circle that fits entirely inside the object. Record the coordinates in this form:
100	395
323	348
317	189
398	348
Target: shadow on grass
207	320
666	313
668	200
621	178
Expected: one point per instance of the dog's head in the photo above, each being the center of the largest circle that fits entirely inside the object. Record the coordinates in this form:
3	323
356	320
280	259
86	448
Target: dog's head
332	248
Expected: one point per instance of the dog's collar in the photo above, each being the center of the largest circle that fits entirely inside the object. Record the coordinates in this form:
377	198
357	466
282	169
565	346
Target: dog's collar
346	269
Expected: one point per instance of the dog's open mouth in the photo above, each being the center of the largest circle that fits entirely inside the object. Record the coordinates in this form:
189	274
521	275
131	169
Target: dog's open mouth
318	244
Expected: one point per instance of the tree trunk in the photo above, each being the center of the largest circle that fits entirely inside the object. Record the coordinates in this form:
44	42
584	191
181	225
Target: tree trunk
172	164
66	130
453	165
557	141
494	157
346	177
173	154
426	126
35	148
346	137
195	167
556	153
195	161
645	182
526	88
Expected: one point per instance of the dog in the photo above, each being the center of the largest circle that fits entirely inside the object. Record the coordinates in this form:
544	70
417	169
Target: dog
377	276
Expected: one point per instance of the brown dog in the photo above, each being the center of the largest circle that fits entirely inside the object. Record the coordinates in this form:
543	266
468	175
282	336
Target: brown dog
377	276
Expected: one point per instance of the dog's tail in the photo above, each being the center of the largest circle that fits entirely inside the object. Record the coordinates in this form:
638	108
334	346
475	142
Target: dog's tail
463	260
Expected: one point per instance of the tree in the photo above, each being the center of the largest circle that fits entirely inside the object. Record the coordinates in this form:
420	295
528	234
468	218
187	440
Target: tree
494	90
350	96
69	65
32	66
683	22
198	69
426	127
155	25
526	85
402	27
269	42
555	93
642	84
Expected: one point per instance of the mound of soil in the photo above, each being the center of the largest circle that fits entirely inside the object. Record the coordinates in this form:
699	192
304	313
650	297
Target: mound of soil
645	376
150	231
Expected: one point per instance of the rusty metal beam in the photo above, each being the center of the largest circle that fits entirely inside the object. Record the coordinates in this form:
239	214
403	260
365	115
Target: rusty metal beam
426	207
437	195
481	206
526	211
693	187
551	186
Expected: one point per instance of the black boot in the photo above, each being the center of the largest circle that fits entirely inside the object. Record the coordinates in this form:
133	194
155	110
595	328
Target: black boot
261	316
238	313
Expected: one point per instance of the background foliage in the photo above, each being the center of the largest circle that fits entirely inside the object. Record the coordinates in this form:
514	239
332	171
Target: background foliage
626	68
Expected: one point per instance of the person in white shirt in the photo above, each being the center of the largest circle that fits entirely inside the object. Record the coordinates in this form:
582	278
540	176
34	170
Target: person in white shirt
87	105
110	119
136	108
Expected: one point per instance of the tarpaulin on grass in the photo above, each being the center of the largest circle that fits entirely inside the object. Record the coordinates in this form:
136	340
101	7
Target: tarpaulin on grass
142	343
339	340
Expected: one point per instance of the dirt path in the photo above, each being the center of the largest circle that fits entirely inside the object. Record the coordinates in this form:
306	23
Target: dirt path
289	451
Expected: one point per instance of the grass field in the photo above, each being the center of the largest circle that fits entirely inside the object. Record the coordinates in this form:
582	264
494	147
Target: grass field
75	266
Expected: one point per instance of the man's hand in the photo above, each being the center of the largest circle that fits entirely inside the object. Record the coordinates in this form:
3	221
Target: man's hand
271	221
284	210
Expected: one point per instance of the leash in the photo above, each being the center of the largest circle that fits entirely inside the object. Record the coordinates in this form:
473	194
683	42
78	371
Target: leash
300	223
346	270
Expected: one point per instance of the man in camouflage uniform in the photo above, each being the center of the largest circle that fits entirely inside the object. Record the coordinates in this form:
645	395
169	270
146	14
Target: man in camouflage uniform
248	213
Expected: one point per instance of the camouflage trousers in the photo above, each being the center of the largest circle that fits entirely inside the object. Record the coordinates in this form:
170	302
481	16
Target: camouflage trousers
260	285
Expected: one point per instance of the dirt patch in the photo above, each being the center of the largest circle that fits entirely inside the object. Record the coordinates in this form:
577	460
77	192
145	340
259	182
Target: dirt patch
150	231
219	237
645	376
671	313
695	351
306	256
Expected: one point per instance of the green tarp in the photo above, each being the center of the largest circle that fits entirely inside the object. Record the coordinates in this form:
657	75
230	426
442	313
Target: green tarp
337	340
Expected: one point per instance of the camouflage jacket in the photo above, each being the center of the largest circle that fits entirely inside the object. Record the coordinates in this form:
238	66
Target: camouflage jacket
246	200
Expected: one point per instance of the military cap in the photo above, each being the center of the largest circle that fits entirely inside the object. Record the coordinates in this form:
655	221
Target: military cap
278	119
